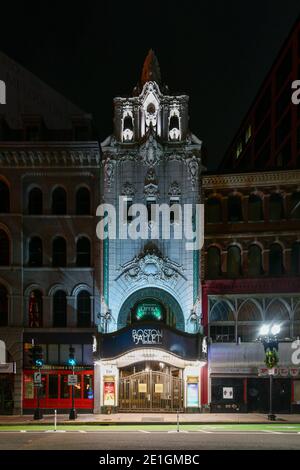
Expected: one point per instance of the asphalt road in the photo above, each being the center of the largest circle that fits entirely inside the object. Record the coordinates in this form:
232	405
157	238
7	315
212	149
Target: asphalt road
141	440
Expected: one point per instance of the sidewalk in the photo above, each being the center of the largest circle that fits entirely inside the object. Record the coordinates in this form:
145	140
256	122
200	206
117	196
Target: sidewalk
154	418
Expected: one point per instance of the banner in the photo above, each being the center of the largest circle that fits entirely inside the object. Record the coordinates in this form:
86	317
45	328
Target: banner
109	394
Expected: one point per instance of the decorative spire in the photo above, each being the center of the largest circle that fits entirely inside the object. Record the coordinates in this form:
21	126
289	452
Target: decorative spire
151	70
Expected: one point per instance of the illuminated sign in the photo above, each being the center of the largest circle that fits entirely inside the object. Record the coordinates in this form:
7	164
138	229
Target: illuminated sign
147	336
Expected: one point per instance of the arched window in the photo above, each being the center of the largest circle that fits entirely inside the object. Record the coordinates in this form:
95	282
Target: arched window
276	260
277	312
295	206
60	309
59	201
222	321
83	309
255	208
296	323
213	262
254	261
83	202
295	258
3	306
35	252
83	252
35	309
213	210
276	207
249	318
235	213
4	198
59	252
4	249
234	267
35	202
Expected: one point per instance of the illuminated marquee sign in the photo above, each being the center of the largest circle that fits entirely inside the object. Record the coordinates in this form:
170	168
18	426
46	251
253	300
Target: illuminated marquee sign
147	336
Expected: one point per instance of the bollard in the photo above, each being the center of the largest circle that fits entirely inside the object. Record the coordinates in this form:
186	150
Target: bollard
177	421
55	419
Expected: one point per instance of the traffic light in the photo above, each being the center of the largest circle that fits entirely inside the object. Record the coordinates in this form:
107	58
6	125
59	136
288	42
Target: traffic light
38	356
72	360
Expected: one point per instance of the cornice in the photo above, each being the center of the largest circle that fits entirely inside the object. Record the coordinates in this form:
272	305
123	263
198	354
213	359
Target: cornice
246	180
49	154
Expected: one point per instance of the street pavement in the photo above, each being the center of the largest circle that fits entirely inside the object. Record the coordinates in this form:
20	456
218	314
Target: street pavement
125	418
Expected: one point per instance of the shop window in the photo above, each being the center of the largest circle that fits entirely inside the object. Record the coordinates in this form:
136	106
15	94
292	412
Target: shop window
248	333
4	249
88	386
83	201
213	211
255	208
77	387
83	252
295	206
213	262
4	198
59	252
53	386
35	202
59	201
35	252
83	309
295	258
64	387
219	386
234	267
276	260
3	306
35	309
255	261
276	207
235	213
222	333
60	309
28	387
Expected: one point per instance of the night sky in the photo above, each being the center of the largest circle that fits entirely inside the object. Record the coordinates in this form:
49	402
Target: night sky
218	52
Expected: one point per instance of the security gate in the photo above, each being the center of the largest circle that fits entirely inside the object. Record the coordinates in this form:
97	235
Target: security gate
150	391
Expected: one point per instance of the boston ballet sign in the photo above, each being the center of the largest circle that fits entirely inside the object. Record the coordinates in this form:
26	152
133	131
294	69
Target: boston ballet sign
147	336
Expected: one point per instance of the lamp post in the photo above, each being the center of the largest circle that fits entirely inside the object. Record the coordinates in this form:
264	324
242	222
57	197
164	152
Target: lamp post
72	363
269	337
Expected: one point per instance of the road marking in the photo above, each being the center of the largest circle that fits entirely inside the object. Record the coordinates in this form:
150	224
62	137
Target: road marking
82	431
145	432
272	432
185	432
23	430
51	430
205	432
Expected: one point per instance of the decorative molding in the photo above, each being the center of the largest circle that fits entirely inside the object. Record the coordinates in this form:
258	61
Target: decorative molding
25	155
248	180
128	189
174	189
151	267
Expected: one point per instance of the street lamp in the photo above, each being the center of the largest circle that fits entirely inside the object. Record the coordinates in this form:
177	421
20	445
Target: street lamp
268	335
72	363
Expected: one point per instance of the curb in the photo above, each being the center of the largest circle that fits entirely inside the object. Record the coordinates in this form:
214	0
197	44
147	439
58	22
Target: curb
147	423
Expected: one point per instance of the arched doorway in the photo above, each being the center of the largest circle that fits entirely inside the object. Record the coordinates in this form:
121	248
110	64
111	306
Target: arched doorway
151	304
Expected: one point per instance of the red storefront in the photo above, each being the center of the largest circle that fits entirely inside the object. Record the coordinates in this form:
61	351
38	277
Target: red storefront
55	392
